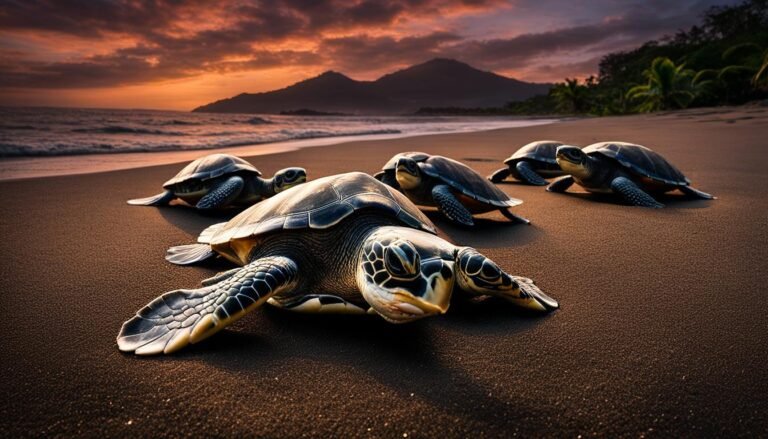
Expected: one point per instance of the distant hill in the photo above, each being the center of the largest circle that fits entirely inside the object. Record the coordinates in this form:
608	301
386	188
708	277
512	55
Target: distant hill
436	83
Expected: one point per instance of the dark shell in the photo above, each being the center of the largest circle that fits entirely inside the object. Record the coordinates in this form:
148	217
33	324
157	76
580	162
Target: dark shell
465	180
320	204
541	150
212	166
392	163
640	160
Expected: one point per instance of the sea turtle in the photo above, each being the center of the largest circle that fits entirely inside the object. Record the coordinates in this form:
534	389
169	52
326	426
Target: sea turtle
456	189
624	168
532	164
345	243
387	173
221	180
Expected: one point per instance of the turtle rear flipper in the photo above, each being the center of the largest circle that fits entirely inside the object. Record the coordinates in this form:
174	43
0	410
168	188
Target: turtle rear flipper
189	254
178	318
155	200
693	192
515	218
207	234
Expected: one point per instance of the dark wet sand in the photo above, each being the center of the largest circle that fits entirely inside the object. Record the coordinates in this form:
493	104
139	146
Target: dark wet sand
662	331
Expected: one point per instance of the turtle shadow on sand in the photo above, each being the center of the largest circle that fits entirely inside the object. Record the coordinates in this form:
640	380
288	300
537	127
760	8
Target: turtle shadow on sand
403	358
488	232
193	221
670	200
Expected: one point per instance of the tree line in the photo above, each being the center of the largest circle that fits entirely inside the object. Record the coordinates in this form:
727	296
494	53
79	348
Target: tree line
721	61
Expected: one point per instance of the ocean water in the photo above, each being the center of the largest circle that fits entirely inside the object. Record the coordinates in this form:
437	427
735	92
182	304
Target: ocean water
36	132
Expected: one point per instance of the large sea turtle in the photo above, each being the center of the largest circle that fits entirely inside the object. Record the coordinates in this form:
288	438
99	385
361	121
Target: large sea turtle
221	180
531	163
456	189
344	243
630	170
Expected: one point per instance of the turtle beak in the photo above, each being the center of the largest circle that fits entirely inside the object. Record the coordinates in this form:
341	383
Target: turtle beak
569	154
419	307
435	300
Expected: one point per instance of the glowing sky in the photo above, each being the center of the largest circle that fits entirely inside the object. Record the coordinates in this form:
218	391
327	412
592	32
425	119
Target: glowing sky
177	54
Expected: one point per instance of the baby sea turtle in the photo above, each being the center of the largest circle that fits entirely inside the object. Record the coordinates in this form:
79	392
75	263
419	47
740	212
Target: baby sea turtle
387	173
532	164
456	189
629	170
345	244
221	180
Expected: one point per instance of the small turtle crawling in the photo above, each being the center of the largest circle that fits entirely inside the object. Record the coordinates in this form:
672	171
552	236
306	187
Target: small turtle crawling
388	171
531	164
220	180
342	244
456	189
629	170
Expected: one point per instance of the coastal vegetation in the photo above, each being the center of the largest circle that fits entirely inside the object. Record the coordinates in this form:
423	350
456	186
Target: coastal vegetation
721	61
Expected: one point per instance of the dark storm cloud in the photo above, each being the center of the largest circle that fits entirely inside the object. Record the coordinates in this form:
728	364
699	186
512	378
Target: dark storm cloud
605	36
169	47
183	38
97	17
365	53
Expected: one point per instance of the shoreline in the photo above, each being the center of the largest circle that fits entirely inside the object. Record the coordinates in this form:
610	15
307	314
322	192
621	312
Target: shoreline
30	167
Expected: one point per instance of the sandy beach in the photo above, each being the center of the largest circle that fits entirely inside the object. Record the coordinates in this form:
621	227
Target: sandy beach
661	331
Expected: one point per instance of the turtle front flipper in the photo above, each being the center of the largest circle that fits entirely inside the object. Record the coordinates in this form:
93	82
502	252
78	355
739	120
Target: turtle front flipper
178	318
633	194
695	193
528	175
477	274
155	200
450	206
499	175
223	194
561	184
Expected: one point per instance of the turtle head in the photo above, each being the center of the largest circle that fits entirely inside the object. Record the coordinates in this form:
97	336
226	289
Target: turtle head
404	276
572	160
288	178
478	274
407	173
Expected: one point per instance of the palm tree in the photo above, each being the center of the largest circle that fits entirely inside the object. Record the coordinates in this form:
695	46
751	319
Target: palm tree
571	97
745	66
669	86
762	72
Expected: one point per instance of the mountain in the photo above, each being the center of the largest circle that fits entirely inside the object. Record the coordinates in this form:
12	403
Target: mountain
436	83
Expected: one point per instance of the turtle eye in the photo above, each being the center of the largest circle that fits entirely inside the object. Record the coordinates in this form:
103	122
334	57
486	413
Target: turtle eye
402	260
490	271
289	175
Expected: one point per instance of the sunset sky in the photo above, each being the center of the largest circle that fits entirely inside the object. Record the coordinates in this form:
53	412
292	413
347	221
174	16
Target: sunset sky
178	54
